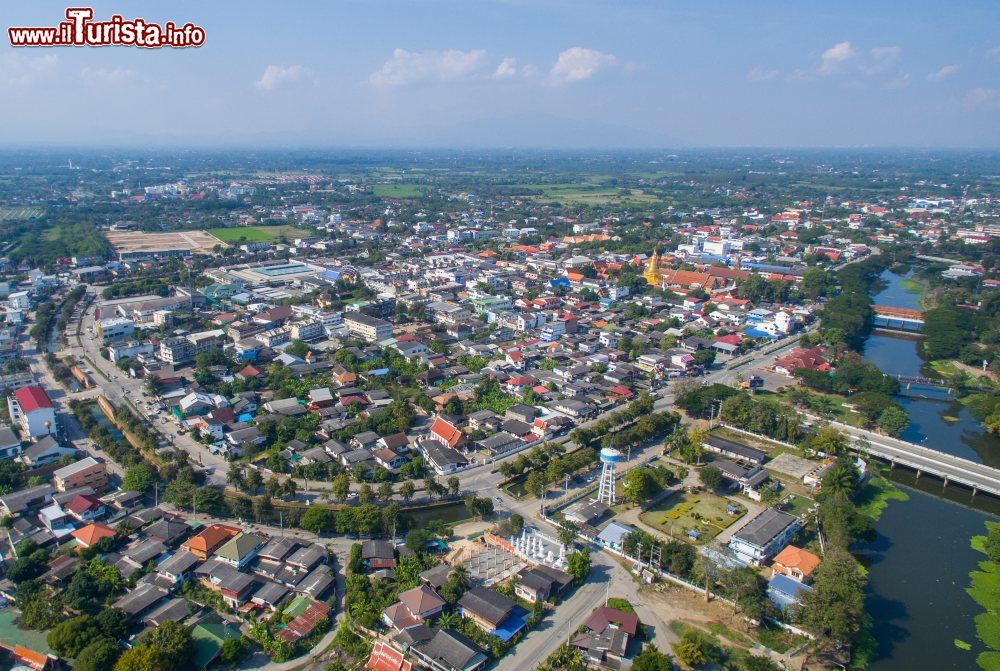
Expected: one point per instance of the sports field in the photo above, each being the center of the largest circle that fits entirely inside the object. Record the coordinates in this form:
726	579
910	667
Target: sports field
19	213
241	234
197	242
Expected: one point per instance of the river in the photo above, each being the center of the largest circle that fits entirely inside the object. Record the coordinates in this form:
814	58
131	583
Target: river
920	561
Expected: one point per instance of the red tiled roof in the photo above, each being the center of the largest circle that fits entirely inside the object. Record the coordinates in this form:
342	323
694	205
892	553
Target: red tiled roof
92	533
386	658
32	398
447	433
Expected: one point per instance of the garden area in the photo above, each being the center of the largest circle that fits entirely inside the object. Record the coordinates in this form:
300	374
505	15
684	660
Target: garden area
693	517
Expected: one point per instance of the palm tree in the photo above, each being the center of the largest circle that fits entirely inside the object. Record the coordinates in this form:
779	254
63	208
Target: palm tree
447	620
460	574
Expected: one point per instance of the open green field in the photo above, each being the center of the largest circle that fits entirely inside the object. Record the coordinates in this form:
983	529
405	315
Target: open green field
398	190
583	194
19	213
702	511
240	234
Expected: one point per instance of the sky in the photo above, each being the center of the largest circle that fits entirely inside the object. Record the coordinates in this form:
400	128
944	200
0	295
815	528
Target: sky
517	73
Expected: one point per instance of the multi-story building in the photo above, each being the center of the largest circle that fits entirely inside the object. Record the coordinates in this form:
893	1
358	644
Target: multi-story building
88	472
176	350
115	329
31	409
370	328
307	330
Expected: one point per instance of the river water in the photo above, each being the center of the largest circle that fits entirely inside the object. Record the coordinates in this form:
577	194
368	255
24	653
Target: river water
920	562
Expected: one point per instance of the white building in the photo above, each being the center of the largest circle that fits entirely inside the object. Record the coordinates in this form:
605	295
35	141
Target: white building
32	410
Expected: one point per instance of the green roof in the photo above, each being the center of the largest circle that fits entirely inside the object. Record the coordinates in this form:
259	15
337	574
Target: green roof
298	605
208	636
235	549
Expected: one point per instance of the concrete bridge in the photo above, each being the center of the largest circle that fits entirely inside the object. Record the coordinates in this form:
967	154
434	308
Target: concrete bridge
898	319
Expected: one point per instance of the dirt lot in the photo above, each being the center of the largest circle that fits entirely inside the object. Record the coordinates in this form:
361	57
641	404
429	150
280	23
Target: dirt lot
139	241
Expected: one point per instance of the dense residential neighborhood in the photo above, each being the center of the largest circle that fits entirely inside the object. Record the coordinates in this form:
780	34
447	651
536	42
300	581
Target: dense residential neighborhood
328	428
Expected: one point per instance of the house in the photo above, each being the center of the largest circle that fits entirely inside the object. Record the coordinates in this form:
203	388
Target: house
384	657
87	472
303	624
89	535
785	592
415	606
44	451
764	536
810	359
448	650
140	600
378	554
86	508
206	542
32	410
442	459
10	443
447	433
541	582
389	459
26	499
741	453
606	635
796	563
240	550
178	567
492	612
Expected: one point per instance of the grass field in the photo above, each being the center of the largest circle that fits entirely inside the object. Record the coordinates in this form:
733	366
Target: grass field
583	194
397	190
240	234
703	511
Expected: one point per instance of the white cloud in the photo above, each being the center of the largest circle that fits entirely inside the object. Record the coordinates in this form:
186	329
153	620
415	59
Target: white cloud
943	73
106	75
276	76
16	69
530	70
798	75
834	56
982	97
578	63
506	69
411	67
882	59
900	82
759	74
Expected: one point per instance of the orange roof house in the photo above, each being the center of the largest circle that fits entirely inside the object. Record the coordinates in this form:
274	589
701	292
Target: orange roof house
90	534
447	433
211	538
796	563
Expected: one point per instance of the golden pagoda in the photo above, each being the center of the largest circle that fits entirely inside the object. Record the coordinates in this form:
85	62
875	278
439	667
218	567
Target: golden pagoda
652	274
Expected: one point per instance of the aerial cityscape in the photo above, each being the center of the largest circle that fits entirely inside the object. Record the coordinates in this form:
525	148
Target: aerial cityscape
493	362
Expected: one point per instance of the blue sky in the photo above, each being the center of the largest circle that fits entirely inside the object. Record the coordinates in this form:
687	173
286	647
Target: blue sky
526	73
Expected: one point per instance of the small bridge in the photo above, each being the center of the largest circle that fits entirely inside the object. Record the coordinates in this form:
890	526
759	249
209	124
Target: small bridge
898	319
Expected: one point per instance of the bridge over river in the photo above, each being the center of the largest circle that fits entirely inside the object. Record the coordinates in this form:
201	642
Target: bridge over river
898	319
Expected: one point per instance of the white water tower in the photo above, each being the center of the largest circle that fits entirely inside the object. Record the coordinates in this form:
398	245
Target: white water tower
609	459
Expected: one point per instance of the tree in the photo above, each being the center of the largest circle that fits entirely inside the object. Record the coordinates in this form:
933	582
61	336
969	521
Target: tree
173	643
693	649
417	539
114	623
385	491
318	520
340	486
827	440
407	489
535	484
142	658
711	477
651	659
992	544
138	478
454	486
99	655
578	565
893	420
835	608
233	651
638	486
567	534
365	494
71	636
